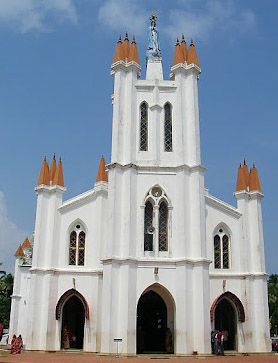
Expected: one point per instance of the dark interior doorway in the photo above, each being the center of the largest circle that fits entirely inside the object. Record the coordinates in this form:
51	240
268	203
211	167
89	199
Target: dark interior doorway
151	323
72	333
225	320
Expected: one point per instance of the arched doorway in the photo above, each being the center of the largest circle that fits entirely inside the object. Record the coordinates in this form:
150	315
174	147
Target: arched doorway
154	335
225	320
73	319
226	312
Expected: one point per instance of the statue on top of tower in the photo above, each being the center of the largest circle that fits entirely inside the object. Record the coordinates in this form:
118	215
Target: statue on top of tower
153	51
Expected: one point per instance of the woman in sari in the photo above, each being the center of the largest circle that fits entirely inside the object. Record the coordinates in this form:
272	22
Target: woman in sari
13	344
19	344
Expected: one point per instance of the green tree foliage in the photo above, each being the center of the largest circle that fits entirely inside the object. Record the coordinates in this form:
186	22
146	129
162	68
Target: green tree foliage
6	289
273	302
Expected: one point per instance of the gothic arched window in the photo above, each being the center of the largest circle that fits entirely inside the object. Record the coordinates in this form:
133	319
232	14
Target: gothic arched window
221	250
77	246
148	224
156	220
163	227
143	126
168	145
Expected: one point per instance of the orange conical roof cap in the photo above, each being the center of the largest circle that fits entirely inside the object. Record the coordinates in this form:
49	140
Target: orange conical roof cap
19	252
126	46
133	53
119	52
26	243
246	174
52	168
254	180
184	49
192	55
102	175
59	177
178	58
44	177
241	183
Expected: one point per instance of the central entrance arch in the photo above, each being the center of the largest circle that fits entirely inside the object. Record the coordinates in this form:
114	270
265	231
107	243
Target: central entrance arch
73	320
225	320
73	308
155	321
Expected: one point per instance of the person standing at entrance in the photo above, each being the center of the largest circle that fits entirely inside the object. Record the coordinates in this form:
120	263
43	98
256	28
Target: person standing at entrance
220	346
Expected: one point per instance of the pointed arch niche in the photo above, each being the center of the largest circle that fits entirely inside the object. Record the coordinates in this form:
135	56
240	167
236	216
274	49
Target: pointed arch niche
155	321
157	213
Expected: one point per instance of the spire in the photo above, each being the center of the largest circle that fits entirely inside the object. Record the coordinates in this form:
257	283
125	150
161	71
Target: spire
53	168
126	46
184	49
59	178
19	252
119	52
254	180
26	243
178	58
102	175
192	55
246	175
241	182
133	54
44	177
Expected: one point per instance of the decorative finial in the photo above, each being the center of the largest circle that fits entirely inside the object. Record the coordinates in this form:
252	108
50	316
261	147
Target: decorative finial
133	39
191	41
244	163
60	159
182	37
44	158
120	38
240	165
54	156
253	165
126	35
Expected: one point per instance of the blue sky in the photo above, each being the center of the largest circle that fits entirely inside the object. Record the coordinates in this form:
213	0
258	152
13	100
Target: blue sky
55	95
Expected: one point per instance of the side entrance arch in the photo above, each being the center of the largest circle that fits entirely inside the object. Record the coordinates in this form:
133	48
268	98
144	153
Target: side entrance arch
155	321
226	311
73	309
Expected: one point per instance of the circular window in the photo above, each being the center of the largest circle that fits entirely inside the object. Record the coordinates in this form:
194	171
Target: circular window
156	192
78	226
220	230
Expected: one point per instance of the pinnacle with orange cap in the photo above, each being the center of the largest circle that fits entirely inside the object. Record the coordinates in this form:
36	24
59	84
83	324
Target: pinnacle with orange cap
101	175
44	177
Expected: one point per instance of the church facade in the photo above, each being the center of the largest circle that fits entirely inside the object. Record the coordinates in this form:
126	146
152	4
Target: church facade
147	256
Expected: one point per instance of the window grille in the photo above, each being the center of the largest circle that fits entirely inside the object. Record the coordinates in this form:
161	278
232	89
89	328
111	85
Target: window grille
163	222
225	241
156	222
148	237
168	127
221	251
72	249
217	252
77	247
144	127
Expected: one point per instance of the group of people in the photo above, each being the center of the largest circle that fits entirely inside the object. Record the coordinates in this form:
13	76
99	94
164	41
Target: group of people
217	342
16	344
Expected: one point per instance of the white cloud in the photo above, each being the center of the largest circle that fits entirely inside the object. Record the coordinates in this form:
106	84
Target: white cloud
124	15
26	15
10	238
202	19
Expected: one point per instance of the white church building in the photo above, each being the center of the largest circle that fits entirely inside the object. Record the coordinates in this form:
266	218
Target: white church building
147	256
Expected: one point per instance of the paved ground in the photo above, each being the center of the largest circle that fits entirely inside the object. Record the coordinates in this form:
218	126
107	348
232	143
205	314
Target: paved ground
39	357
